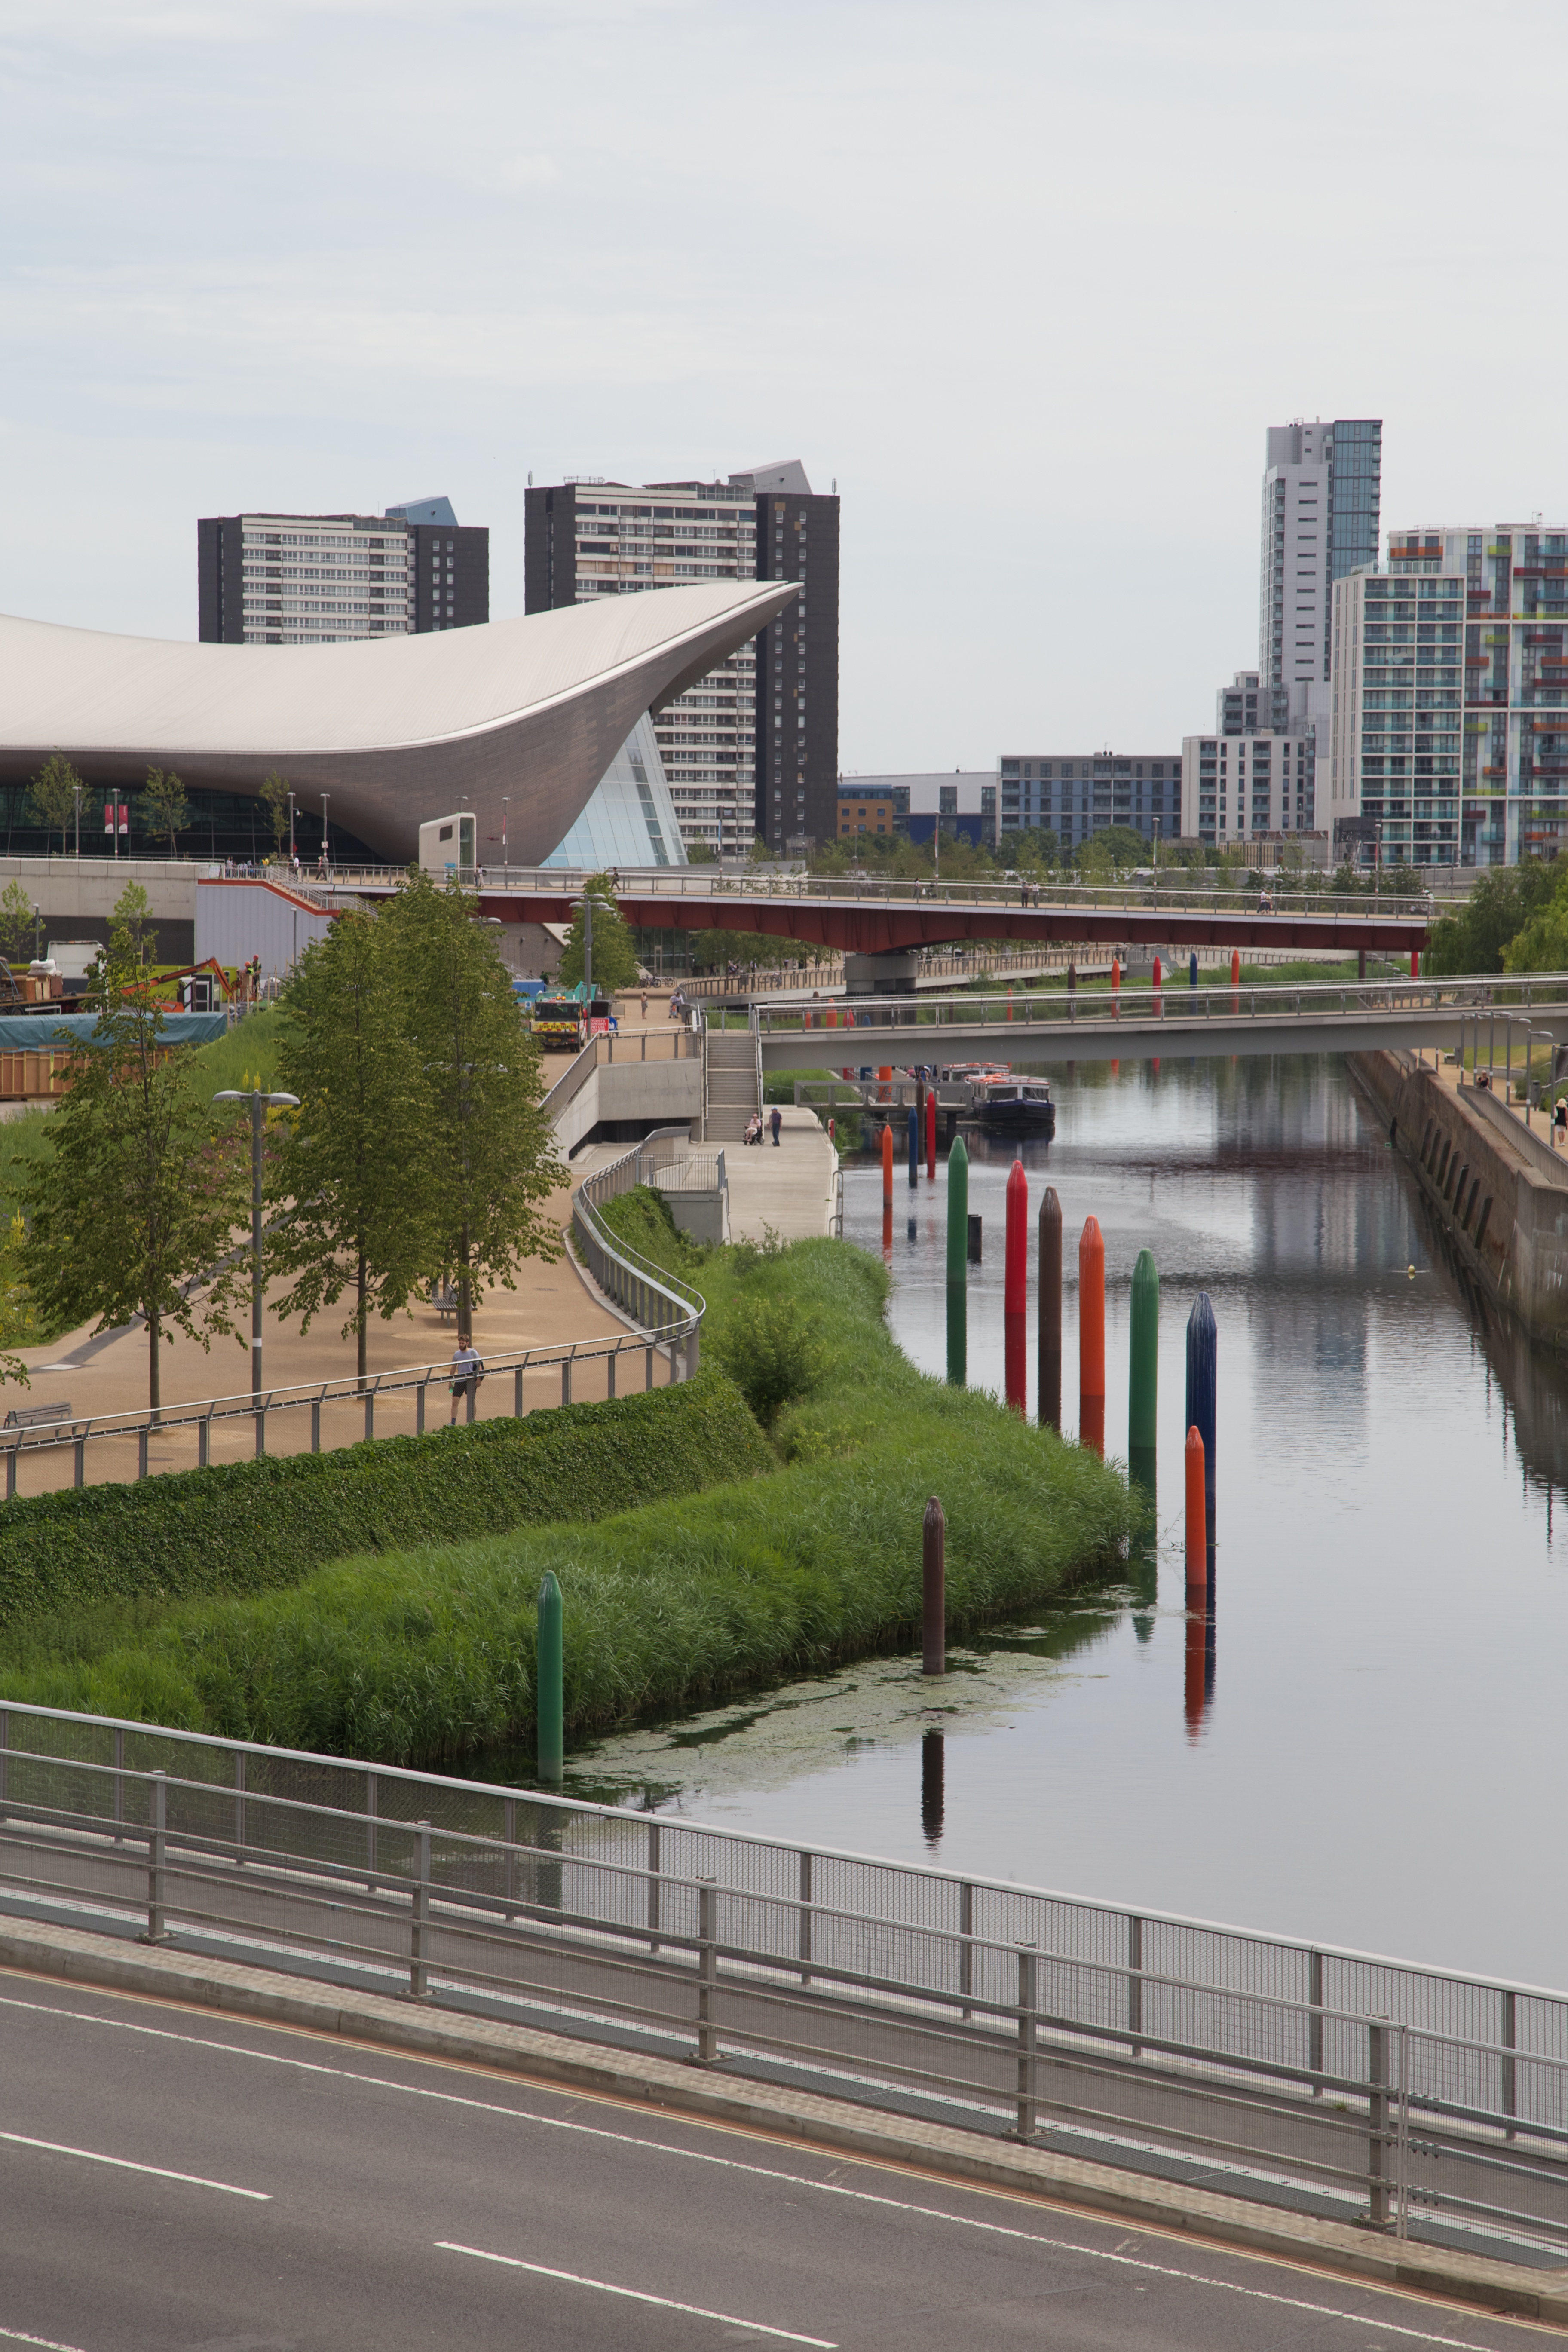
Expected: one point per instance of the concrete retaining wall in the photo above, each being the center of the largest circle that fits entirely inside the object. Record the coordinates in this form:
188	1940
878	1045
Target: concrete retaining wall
1500	1195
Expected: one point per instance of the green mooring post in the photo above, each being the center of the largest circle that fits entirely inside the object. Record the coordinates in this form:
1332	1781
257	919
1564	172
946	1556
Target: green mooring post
1143	1374
548	1679
957	1265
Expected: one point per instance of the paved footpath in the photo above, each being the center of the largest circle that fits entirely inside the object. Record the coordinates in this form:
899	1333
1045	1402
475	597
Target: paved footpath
174	2179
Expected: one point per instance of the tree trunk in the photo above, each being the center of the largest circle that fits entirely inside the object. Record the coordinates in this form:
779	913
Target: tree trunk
154	1369
360	1293
464	1296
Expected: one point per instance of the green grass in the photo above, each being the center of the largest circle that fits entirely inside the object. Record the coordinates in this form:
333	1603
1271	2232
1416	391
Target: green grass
247	1054
423	1655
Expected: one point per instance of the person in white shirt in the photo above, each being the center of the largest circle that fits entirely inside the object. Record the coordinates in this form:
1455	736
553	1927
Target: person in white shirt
467	1371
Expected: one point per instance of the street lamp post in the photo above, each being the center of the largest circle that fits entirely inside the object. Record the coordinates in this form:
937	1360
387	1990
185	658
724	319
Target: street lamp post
505	805
290	828
77	790
1156	825
260	1105
326	853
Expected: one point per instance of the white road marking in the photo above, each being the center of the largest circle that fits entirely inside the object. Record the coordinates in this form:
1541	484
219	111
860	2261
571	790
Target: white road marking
799	2179
636	2294
45	2343
124	2164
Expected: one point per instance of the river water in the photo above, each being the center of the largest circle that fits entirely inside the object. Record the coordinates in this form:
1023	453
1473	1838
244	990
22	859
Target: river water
1375	1760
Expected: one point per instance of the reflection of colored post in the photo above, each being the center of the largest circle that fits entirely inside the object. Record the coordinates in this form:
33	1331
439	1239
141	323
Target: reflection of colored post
930	1135
1203	1381
888	1165
957	1263
1016	1291
934	1591
915	1147
550	1680
1050	1339
1144	1356
933	1774
1091	1335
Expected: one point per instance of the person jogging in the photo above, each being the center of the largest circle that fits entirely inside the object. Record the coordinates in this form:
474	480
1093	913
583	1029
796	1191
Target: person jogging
467	1371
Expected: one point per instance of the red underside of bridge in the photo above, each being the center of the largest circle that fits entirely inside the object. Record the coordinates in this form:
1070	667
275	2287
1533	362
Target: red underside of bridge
885	929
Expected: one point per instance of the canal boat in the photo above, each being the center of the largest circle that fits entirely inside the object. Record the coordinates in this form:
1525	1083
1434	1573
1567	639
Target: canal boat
1013	1106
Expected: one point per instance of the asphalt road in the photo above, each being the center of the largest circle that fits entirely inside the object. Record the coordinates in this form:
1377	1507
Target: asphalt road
175	2182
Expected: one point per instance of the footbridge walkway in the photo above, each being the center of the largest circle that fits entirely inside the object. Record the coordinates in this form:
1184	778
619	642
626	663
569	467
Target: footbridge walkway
861	917
1135	1024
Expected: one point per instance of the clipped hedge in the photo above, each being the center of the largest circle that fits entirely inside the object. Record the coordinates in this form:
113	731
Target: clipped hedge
246	1527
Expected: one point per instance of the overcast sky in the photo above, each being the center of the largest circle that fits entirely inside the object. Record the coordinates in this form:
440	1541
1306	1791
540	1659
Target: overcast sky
1029	281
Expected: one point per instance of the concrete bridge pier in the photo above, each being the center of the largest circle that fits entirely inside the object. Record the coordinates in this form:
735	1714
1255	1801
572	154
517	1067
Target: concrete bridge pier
892	974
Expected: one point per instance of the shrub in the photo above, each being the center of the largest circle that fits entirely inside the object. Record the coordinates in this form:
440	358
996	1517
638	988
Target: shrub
772	1354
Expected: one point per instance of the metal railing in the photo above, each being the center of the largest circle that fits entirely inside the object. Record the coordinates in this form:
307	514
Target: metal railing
1536	1093
1175	1002
664	1304
602	1052
1425	2104
202	1416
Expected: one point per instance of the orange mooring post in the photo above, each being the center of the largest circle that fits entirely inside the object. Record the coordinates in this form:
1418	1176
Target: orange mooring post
1016	1291
1115	989
888	1165
930	1133
1197	1522
1091	1335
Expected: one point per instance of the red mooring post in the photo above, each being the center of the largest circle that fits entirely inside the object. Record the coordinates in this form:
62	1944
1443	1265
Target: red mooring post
930	1133
1234	967
1016	1291
934	1591
888	1165
1091	1335
1414	963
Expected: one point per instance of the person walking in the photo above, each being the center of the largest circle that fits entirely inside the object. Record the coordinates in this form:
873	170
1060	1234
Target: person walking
1072	990
776	1121
467	1371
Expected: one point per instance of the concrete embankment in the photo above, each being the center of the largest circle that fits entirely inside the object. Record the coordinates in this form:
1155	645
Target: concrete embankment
1499	1190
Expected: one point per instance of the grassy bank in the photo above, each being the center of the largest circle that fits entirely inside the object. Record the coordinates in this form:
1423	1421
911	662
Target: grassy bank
423	1654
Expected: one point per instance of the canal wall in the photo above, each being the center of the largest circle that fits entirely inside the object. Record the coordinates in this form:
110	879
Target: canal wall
1499	1193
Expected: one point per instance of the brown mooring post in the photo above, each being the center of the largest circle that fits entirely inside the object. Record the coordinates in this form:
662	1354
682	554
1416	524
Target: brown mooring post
1050	1340
933	1594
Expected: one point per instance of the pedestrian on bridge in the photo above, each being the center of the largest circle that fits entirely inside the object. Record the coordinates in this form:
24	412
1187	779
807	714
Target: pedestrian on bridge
1072	990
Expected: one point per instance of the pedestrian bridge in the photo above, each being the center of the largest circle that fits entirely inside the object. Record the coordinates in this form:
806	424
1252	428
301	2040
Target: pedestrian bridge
1142	1023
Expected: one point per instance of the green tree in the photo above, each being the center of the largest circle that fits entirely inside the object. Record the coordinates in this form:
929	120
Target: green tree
164	807
52	798
275	798
1503	905
358	1220
132	914
486	1163
133	1212
17	922
615	955
701	852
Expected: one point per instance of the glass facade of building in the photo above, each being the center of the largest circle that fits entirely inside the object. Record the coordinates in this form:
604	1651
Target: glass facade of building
630	820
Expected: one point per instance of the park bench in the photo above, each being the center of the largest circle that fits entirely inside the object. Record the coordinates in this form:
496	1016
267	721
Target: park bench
445	1302
31	1416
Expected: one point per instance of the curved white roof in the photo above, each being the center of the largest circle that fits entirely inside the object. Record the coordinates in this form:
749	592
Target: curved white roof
396	729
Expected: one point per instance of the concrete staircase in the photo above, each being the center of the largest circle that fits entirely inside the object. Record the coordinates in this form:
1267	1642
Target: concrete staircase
732	1080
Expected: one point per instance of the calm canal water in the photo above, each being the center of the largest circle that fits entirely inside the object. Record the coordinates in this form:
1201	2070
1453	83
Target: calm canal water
1379	1756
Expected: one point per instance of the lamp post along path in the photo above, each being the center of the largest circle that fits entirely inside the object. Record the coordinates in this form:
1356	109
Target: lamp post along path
260	1103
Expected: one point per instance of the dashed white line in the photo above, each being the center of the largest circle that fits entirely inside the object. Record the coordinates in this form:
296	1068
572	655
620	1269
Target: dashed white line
794	2180
124	2164
636	2294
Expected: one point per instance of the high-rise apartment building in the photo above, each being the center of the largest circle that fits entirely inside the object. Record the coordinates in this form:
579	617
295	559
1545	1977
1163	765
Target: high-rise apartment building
1450	732
1247	784
753	748
317	580
1320	509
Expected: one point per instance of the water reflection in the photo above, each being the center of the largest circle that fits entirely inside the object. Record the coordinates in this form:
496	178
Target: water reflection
934	1767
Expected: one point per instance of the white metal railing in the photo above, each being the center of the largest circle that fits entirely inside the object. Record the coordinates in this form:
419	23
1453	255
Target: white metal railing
665	1305
201	1415
1175	1002
1536	1093
1420	2102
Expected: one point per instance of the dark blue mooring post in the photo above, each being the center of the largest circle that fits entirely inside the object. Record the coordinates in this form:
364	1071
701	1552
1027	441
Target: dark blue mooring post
1203	1381
1193	969
915	1147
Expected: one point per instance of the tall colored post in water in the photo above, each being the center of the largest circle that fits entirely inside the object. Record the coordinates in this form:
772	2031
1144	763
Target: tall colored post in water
930	1135
1091	1335
933	1589
957	1265
915	1147
549	1681
1193	969
888	1165
1196	1675
1016	1291
1202	1387
1050	1339
1143	1357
